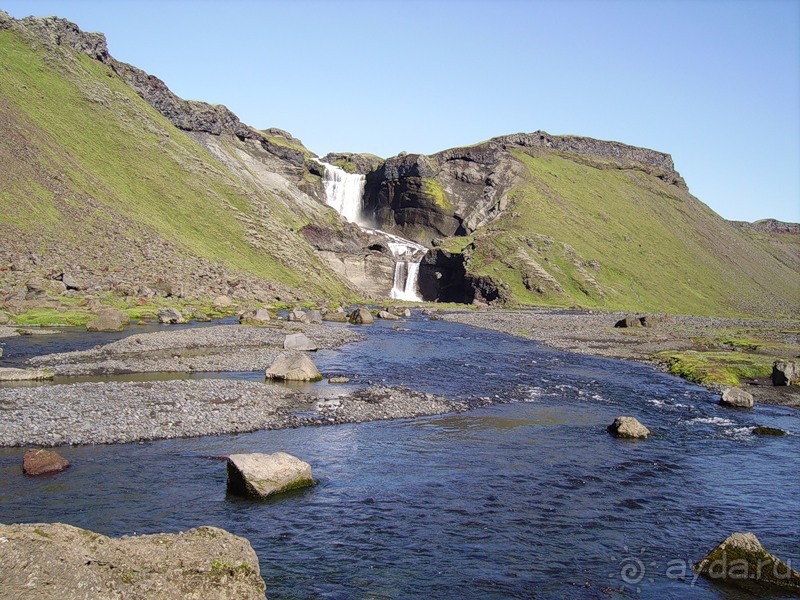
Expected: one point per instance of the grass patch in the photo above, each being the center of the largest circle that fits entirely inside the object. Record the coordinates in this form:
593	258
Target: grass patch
716	368
435	192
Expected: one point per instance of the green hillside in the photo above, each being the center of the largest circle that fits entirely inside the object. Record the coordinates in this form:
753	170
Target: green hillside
94	174
588	233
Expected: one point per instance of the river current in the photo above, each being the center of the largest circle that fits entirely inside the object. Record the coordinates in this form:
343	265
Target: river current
527	498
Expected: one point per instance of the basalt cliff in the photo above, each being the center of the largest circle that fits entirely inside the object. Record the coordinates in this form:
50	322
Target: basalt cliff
114	187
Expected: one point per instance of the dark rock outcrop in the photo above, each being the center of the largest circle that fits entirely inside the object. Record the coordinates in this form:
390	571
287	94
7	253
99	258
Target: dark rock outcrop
785	372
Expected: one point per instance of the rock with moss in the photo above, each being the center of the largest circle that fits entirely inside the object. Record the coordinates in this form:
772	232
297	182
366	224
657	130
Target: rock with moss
261	476
293	366
737	398
62	562
785	372
360	316
108	319
628	427
742	561
258	316
169	316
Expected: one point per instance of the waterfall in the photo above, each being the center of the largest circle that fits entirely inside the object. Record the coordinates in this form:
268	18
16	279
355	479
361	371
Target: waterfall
344	192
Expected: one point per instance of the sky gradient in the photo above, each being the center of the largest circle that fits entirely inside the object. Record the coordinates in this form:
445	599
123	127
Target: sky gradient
716	84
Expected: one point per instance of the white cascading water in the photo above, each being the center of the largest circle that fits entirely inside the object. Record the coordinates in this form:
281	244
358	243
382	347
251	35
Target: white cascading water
344	192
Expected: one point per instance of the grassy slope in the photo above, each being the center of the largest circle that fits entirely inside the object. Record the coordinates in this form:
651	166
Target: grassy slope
658	248
85	128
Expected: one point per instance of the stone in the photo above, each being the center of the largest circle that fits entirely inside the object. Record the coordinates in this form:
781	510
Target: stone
742	561
4	318
764	430
42	561
221	302
649	321
335	317
299	341
42	462
385	314
628	321
785	372
736	397
255	317
108	319
293	366
628	427
360	316
312	316
71	282
260	476
340	379
296	315
10	374
169	316
201	317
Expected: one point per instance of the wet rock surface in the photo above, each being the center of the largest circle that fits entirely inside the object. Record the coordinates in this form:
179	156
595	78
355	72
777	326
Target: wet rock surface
45	561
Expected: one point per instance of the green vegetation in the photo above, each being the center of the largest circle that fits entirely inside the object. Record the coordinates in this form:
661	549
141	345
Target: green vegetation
221	569
93	156
349	167
622	239
294	144
716	368
434	191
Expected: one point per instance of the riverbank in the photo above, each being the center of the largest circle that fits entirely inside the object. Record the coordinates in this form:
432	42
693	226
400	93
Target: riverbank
725	347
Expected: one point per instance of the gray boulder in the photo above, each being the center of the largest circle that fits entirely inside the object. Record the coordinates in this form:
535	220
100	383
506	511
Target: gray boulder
360	316
628	427
312	316
71	283
385	314
255	317
4	318
260	476
108	319
45	561
335	316
10	374
222	302
296	315
299	341
293	366
628	321
737	398
169	316
742	561
785	372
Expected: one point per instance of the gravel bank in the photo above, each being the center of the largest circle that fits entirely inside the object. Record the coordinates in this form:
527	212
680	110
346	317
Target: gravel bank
103	413
201	349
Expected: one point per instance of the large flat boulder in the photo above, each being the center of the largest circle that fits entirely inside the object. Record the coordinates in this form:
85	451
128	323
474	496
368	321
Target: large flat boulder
11	374
260	476
62	562
43	462
108	319
293	366
737	398
742	561
628	427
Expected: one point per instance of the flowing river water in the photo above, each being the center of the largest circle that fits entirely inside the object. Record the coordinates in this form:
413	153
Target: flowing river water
526	498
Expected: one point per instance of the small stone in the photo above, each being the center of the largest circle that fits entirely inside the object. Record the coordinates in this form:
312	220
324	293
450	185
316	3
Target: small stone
628	427
737	398
260	476
339	380
41	462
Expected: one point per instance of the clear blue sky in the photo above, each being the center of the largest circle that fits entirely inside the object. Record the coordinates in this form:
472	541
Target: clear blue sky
714	83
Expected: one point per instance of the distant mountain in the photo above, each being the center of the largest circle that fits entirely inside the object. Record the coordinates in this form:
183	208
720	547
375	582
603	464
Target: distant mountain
110	179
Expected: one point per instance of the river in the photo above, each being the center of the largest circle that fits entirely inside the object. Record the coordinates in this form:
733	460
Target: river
527	498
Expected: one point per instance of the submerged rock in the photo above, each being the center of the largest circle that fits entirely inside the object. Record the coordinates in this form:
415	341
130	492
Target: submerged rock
45	561
360	316
628	427
11	374
41	462
385	314
764	430
260	476
785	372
293	366
299	341
736	397
741	560
108	319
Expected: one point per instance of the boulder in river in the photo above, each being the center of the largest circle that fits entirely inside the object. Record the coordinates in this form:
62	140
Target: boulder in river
764	430
293	366
741	560
42	462
335	316
255	317
385	314
628	427
108	319
260	476
43	561
785	372
312	316
360	316
299	341
737	398
169	316
11	374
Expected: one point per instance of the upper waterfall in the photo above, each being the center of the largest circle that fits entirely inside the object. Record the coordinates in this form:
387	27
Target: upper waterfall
344	191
